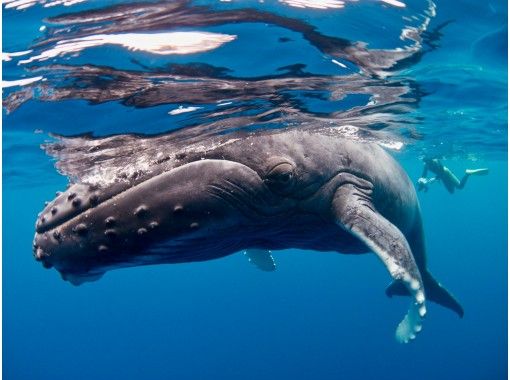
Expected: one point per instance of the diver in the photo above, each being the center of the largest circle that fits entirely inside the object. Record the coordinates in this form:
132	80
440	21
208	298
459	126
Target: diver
443	174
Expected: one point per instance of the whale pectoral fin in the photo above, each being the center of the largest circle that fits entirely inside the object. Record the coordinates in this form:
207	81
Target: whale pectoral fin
261	258
78	280
353	211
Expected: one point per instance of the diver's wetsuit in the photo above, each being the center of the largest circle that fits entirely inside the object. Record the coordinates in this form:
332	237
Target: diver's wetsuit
443	174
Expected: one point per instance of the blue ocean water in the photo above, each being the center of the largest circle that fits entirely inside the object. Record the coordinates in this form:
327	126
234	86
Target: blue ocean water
441	92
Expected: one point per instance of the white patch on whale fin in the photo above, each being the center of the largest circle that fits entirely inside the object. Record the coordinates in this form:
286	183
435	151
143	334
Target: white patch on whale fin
261	258
411	324
406	271
355	213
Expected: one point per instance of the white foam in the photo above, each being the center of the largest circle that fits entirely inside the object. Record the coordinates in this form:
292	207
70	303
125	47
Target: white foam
395	3
315	4
18	4
391	144
348	130
20	82
154	43
24	4
182	109
65	3
338	63
6	57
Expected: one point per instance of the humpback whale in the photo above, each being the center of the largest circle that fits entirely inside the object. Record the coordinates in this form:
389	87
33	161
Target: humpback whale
256	193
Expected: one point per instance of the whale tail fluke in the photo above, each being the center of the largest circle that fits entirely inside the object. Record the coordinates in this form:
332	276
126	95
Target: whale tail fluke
434	292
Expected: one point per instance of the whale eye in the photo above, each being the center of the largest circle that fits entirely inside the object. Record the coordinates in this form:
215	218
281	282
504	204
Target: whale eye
280	178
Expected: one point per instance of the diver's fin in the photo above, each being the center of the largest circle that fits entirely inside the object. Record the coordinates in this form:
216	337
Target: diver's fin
353	210
434	290
484	171
261	258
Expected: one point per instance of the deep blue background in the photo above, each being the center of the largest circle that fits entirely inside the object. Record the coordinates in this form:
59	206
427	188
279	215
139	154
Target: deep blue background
321	316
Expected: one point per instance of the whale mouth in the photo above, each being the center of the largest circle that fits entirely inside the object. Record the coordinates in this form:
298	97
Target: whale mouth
74	277
60	226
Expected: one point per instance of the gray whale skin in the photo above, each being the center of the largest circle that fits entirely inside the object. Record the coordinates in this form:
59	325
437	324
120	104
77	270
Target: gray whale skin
256	193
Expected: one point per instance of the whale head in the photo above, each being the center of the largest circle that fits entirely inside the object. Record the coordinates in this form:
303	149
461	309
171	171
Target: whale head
189	213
